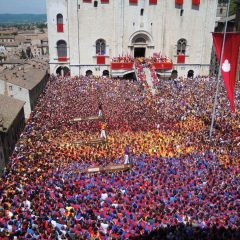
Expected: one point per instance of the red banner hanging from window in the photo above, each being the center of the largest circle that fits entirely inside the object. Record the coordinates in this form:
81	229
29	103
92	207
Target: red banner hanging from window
87	1
181	58
133	1
196	2
62	59
229	61
59	27
153	2
104	1
179	2
100	59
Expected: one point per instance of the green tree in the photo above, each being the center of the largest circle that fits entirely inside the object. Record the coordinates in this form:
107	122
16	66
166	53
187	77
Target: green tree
232	8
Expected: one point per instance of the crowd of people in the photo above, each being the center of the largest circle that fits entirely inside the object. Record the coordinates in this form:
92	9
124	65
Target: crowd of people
182	184
123	59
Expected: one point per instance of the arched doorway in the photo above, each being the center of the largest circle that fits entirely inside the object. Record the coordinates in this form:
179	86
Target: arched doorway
63	71
105	73
190	74
141	43
140	47
89	73
174	74
130	76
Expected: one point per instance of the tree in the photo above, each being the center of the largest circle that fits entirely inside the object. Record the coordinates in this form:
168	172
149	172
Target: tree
232	8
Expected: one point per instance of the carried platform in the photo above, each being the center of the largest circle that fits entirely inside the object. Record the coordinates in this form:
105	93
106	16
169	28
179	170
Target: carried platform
109	168
91	142
86	118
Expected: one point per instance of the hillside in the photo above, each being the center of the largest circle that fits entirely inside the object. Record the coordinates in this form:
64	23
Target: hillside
22	18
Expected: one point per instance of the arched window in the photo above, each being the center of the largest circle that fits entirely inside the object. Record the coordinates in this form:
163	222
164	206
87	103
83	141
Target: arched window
59	23
181	46
62	49
140	40
100	47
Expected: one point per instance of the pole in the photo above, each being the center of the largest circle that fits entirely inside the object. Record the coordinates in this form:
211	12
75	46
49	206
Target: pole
219	72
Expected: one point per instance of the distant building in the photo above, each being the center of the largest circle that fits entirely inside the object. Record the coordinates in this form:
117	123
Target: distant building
12	123
7	39
8	32
221	9
80	31
24	81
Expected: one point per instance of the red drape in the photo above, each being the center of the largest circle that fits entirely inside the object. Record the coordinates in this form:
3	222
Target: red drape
133	1
181	58
117	65
87	1
62	59
179	2
59	27
229	61
100	59
153	2
163	65
104	1
196	2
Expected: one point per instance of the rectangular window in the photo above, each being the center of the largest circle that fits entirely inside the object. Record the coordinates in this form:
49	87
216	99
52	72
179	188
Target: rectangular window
133	1
20	89
196	2
10	88
153	2
179	2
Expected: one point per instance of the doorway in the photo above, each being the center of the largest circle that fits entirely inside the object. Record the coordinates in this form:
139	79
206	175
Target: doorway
190	74
63	71
139	52
89	73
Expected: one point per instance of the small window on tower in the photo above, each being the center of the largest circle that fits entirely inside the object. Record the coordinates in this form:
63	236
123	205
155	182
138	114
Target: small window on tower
181	12
142	11
79	6
95	3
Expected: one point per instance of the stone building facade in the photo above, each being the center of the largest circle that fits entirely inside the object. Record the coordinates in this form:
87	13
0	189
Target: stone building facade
81	30
12	122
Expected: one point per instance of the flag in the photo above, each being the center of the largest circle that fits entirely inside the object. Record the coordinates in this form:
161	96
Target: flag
229	61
